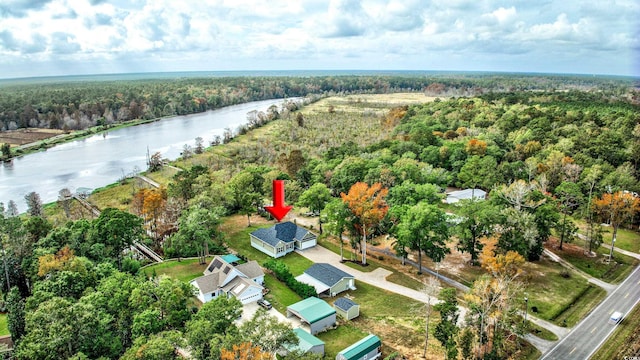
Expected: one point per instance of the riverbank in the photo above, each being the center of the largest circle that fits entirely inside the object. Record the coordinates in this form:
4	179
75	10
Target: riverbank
61	138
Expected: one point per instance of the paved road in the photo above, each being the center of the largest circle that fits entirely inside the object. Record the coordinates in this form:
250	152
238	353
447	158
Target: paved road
586	337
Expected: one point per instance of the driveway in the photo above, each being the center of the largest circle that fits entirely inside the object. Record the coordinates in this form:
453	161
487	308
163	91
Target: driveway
377	277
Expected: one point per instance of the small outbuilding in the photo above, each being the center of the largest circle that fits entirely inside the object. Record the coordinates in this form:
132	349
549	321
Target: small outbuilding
315	312
365	349
346	308
307	343
466	194
327	279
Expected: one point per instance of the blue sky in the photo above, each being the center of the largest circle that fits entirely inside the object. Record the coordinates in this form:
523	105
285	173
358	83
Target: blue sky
65	37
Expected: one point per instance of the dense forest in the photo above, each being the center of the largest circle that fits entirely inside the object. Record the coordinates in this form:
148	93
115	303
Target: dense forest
73	105
546	158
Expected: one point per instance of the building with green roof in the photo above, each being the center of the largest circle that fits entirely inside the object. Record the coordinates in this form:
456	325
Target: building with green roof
315	312
307	343
365	349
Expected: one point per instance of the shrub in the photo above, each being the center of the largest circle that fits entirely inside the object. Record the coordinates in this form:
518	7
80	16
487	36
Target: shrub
282	273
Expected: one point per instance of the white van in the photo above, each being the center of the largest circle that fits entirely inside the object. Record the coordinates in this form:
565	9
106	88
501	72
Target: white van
615	317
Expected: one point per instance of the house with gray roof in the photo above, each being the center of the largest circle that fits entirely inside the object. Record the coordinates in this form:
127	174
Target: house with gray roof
244	281
282	238
327	279
346	308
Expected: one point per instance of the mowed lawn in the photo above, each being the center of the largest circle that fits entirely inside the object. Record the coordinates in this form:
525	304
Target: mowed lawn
4	328
557	294
185	270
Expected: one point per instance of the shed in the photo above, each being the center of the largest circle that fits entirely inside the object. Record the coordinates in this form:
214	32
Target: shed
307	343
315	312
466	194
346	308
365	349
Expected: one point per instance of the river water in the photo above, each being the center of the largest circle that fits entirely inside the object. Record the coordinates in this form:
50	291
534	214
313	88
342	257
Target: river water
102	159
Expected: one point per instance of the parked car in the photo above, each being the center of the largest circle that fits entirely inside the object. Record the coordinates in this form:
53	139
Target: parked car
265	304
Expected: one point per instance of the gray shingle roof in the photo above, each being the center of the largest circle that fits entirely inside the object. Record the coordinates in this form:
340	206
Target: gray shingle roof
344	304
326	273
251	269
286	231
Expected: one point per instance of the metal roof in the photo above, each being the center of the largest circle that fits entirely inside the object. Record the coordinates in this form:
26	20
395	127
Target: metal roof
306	340
361	348
312	309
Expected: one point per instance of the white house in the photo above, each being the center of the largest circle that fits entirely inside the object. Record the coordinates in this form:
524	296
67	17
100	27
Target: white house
282	239
327	279
244	281
466	194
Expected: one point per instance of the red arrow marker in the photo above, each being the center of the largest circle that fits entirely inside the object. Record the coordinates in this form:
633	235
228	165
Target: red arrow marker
278	210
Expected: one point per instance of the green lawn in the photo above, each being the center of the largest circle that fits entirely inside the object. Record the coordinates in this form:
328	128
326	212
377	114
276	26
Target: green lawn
583	304
556	298
4	329
595	266
238	239
626	239
279	294
620	344
338	339
184	270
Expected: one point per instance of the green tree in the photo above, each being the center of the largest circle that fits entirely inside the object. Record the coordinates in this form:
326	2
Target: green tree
116	230
477	219
424	228
155	347
169	297
569	198
267	332
246	190
6	151
213	320
478	171
446	330
60	328
34	204
182	184
197	228
16	314
315	198
337	214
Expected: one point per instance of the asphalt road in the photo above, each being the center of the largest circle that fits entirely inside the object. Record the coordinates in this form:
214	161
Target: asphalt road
593	331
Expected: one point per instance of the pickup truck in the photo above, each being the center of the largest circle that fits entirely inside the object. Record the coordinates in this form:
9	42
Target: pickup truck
615	318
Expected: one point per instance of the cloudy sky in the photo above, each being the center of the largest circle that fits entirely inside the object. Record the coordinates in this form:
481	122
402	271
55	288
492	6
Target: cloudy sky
62	37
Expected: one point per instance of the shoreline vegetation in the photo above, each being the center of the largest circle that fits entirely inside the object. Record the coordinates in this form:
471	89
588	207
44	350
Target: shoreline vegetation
85	107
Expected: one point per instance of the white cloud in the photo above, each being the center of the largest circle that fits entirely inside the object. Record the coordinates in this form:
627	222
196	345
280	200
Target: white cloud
231	34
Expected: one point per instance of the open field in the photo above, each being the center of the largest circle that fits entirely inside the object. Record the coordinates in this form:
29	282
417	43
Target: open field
26	136
117	195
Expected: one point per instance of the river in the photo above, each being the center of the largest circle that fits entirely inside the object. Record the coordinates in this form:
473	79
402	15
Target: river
102	159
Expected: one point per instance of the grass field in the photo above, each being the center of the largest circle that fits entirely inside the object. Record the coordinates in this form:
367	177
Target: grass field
4	329
117	195
625	340
550	293
581	306
185	270
614	273
625	239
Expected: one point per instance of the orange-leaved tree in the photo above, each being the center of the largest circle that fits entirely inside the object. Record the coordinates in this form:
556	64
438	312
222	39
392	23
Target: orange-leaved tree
618	208
244	351
60	261
493	299
368	207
